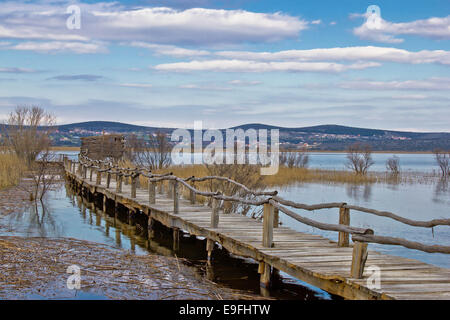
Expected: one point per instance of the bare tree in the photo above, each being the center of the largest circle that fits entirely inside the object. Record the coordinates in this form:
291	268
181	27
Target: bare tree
28	132
359	158
28	135
393	165
443	161
294	159
154	153
249	175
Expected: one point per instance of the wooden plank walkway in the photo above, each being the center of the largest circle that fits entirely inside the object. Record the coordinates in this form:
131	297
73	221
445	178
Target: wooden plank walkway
310	258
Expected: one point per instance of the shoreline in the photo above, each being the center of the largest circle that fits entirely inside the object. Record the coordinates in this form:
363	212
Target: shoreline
64	148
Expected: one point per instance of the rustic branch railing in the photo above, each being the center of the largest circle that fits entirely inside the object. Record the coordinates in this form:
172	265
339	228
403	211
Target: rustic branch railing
272	205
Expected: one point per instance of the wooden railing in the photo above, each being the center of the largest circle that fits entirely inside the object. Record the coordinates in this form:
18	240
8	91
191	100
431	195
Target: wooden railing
272	203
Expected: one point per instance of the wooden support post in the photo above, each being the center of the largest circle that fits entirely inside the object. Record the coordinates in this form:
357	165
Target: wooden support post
104	203
276	217
84	172
119	183
98	181
268	225
344	219
176	239
151	232
359	258
192	194
90	174
132	217
74	167
108	179
215	213
161	187
209	249
265	271
151	192
176	200
133	185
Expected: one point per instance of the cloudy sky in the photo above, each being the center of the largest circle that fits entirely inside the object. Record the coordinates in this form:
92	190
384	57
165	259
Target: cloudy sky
229	62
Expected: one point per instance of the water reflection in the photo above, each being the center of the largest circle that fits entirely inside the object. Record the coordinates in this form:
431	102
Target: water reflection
37	220
442	191
359	192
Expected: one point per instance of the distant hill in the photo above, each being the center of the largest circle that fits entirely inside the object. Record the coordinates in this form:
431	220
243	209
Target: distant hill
106	126
322	137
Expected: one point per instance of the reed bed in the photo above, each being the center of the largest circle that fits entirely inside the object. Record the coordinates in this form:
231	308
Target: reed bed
11	170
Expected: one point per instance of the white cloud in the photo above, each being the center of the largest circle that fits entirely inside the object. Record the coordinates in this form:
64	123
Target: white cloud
368	53
168	49
46	20
203	87
137	85
316	21
385	31
244	83
59	47
16	70
428	84
254	66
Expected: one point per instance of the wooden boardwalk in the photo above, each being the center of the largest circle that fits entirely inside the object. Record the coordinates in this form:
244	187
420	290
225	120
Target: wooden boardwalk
310	258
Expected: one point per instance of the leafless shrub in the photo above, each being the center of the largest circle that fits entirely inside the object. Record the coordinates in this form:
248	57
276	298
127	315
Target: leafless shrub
249	175
393	165
28	132
443	161
294	159
359	158
154	153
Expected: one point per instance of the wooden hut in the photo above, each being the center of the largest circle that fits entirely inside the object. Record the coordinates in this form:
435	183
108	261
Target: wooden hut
104	146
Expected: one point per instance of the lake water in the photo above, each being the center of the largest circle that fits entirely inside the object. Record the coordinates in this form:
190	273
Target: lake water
418	201
414	162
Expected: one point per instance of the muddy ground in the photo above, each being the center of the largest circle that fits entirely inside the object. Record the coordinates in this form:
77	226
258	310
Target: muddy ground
36	268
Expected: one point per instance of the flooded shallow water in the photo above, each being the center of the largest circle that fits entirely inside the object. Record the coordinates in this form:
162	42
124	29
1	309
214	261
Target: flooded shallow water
409	162
416	201
67	215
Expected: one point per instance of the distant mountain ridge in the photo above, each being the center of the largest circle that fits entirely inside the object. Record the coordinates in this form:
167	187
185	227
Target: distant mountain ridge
321	137
330	137
328	128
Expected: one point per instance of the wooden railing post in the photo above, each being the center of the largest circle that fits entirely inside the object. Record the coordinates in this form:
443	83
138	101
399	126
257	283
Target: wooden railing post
169	189
175	197
91	171
108	179
74	167
134	177
344	219
276	217
268	225
192	193
85	171
161	187
215	213
359	258
119	182
98	181
151	192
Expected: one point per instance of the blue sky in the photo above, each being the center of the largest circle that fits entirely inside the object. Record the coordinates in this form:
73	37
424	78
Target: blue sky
288	63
